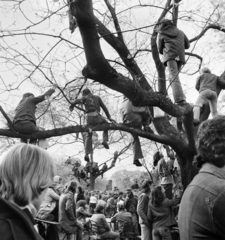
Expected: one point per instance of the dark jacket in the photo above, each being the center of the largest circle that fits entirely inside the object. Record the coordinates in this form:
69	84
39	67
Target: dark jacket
162	216
16	224
172	43
27	106
130	204
80	196
201	213
121	217
92	103
207	81
67	213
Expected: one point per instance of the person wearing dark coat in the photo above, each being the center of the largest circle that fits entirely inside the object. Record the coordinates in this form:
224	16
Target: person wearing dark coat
172	43
93	105
80	195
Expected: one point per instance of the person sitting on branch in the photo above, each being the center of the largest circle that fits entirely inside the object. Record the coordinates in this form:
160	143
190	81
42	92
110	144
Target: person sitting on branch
93	104
172	43
137	117
25	121
206	84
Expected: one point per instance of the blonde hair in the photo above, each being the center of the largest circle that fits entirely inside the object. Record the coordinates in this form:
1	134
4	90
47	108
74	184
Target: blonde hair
25	172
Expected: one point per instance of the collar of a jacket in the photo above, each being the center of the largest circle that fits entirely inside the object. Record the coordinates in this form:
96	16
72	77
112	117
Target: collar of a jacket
212	169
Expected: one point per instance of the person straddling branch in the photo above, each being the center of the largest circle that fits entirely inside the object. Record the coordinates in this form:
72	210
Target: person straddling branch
172	43
24	120
206	84
93	104
136	117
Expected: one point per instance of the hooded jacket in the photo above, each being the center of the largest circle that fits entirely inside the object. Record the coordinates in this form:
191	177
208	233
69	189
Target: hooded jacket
16	224
172	43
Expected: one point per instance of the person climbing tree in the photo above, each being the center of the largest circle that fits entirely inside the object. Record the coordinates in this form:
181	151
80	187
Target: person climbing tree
172	43
137	117
24	120
206	84
92	104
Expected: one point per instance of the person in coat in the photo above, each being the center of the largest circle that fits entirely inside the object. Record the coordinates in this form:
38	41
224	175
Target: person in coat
136	117
160	214
24	120
201	213
67	213
93	105
142	210
206	85
172	43
21	194
80	194
82	212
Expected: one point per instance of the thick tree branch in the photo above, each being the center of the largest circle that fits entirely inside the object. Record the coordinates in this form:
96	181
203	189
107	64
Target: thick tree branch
10	124
210	26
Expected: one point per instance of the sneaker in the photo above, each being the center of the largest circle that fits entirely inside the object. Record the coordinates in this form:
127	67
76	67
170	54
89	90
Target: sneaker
137	163
86	158
105	144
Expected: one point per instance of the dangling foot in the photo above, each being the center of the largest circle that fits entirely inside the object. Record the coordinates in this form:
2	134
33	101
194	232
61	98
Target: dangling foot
86	158
105	144
137	163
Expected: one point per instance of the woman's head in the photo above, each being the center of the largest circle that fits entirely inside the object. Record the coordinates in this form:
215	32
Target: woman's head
210	142
25	172
157	196
70	187
156	157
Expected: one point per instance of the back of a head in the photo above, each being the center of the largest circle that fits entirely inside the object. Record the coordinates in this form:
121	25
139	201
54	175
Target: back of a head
157	196
26	95
210	142
81	203
99	209
86	91
34	170
205	70
165	23
156	157
71	186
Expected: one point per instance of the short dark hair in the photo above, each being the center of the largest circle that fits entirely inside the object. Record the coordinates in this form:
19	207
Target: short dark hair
86	91
210	142
156	157
25	95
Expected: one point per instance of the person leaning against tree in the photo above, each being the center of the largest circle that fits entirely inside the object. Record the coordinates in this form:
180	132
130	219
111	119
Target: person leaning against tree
142	210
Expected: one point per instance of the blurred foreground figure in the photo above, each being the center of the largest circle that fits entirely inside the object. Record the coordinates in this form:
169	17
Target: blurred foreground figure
201	213
26	172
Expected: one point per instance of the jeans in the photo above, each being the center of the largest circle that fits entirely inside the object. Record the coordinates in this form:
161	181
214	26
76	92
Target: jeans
145	232
174	69
25	127
203	96
110	234
91	122
161	233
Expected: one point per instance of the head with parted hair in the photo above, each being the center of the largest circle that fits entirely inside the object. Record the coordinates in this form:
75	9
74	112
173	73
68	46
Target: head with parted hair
99	209
27	95
81	203
25	172
156	157
70	187
210	142
157	196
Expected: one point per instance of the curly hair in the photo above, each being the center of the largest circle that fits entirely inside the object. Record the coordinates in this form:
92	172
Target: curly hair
210	142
